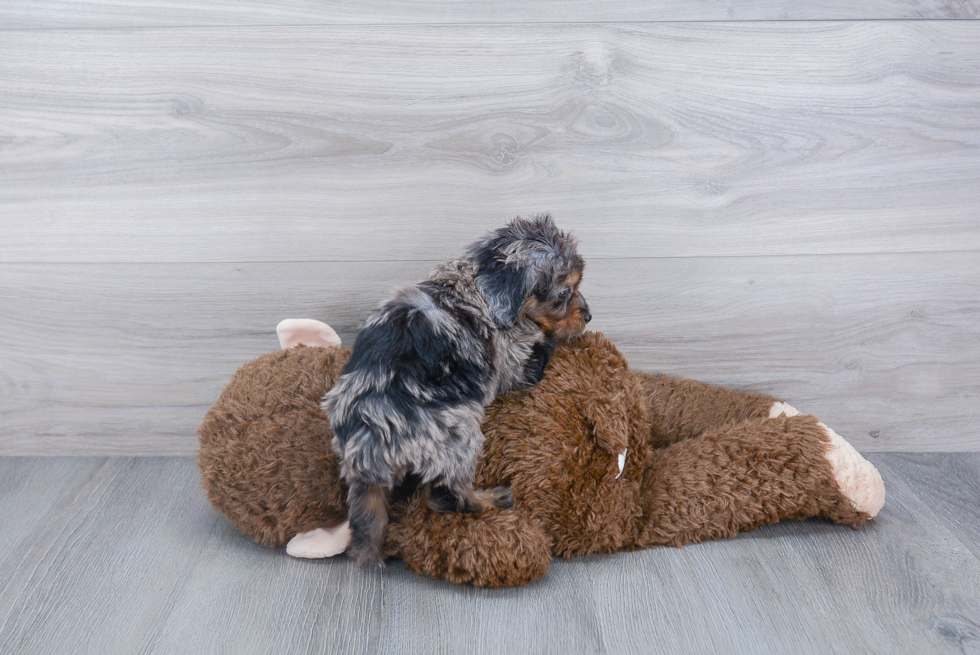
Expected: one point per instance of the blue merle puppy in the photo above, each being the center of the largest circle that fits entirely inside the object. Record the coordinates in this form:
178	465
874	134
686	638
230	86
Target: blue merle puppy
410	401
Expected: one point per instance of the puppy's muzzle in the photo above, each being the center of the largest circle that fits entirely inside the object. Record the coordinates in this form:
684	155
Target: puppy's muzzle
585	309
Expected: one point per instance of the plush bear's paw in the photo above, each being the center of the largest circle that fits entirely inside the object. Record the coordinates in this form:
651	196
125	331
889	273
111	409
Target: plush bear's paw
856	477
320	543
782	409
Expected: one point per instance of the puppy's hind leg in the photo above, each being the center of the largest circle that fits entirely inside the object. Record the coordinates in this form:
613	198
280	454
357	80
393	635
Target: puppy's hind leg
367	506
452	489
462	497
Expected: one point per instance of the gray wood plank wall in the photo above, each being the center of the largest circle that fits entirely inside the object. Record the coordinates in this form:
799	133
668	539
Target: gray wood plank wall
179	13
790	206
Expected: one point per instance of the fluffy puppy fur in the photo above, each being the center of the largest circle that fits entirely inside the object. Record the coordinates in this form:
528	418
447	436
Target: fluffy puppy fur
409	404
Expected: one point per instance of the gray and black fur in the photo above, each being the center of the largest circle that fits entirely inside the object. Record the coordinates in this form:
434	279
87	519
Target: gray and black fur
411	399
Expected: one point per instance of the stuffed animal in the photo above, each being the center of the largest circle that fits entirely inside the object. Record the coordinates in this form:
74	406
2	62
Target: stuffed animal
601	459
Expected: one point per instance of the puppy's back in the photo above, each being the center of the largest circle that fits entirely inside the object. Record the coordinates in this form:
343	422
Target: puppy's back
410	399
413	359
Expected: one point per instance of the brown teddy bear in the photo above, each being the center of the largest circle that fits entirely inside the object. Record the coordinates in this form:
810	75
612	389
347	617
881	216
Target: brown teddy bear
601	459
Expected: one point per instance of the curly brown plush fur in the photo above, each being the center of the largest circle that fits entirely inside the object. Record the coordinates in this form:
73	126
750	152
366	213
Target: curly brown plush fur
737	478
700	463
557	445
265	455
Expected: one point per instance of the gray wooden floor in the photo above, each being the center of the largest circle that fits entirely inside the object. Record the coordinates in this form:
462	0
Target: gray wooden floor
124	555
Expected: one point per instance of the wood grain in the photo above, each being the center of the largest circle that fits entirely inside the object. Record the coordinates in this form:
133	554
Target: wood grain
949	483
29	487
556	614
126	358
174	13
721	597
243	598
375	143
905	584
131	559
101	567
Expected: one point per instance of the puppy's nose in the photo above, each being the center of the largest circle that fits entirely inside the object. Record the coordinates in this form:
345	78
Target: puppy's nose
588	317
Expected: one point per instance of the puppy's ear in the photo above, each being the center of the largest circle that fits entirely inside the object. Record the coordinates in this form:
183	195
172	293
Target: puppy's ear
524	255
505	289
501	277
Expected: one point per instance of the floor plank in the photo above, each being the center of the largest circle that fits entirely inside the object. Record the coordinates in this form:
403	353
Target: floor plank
710	598
949	483
243	598
29	488
126	359
376	143
102	565
907	585
21	14
556	614
131	559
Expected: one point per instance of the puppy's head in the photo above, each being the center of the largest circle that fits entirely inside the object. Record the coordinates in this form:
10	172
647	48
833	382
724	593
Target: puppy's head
531	268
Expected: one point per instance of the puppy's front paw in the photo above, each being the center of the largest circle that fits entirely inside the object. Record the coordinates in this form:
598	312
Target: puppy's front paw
502	497
534	368
470	501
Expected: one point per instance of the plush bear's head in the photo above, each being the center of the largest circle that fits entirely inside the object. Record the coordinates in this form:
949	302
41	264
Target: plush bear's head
573	448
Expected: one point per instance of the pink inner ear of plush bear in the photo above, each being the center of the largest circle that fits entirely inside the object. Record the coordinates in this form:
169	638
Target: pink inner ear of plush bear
307	332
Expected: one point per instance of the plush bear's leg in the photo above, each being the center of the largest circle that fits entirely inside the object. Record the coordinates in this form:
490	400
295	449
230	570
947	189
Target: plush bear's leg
320	543
498	548
857	478
678	408
740	477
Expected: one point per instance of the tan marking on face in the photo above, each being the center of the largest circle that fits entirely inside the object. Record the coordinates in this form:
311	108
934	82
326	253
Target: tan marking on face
558	325
538	312
570	325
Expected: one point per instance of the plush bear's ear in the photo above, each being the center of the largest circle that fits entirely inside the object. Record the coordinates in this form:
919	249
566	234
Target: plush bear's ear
610	423
306	332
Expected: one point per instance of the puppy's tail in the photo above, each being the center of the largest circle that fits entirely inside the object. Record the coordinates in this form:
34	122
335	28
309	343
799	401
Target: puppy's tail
367	506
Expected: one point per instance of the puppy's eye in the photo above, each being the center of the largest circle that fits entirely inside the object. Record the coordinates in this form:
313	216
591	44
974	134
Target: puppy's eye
564	294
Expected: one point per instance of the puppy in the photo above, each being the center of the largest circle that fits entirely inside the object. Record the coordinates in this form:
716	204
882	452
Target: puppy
410	401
